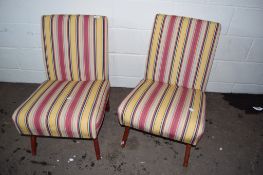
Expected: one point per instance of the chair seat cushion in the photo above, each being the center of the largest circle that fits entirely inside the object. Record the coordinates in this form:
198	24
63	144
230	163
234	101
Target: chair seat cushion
166	110
64	109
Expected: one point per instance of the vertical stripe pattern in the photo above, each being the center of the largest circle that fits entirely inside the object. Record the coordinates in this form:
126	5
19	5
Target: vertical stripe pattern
71	103
182	50
170	101
75	47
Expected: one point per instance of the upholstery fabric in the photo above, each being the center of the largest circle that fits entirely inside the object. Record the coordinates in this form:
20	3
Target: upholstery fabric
166	110
182	51
170	101
72	101
75	47
64	109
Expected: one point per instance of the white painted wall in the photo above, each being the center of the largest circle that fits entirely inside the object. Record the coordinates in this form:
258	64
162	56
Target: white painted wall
238	66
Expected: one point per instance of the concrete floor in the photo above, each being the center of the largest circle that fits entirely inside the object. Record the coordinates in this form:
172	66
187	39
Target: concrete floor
232	144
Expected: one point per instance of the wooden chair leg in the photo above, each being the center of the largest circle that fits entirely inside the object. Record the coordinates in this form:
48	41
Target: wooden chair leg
125	136
187	154
97	148
108	105
34	145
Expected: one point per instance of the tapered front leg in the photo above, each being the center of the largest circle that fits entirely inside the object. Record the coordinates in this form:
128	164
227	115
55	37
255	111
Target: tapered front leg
97	148
125	136
187	154
33	145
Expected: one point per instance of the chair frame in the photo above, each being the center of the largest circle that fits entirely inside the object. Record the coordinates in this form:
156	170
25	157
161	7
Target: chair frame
106	106
188	146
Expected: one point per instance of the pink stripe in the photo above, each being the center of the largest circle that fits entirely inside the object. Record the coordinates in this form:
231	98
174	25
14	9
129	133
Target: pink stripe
192	53
178	113
60	46
71	109
42	106
148	105
166	47
86	47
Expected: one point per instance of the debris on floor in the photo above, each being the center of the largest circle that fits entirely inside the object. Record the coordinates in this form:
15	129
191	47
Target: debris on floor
258	108
223	150
245	102
70	160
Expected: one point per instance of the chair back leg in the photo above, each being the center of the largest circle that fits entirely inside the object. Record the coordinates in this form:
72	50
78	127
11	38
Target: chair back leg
108	106
33	145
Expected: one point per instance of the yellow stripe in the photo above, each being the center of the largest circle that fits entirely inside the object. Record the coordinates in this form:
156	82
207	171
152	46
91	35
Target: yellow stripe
99	47
106	69
162	110
48	43
134	100
99	105
205	55
179	50
28	105
84	127
56	107
193	118
73	47
155	41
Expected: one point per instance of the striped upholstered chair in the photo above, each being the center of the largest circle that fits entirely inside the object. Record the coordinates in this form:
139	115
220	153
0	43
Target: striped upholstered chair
170	101
72	101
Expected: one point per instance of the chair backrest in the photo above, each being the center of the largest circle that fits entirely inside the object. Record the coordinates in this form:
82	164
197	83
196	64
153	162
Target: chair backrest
75	47
182	50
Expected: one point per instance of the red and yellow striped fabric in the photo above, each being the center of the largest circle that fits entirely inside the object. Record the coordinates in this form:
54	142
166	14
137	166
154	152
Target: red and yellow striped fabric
64	109
75	47
182	51
71	102
170	101
166	110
